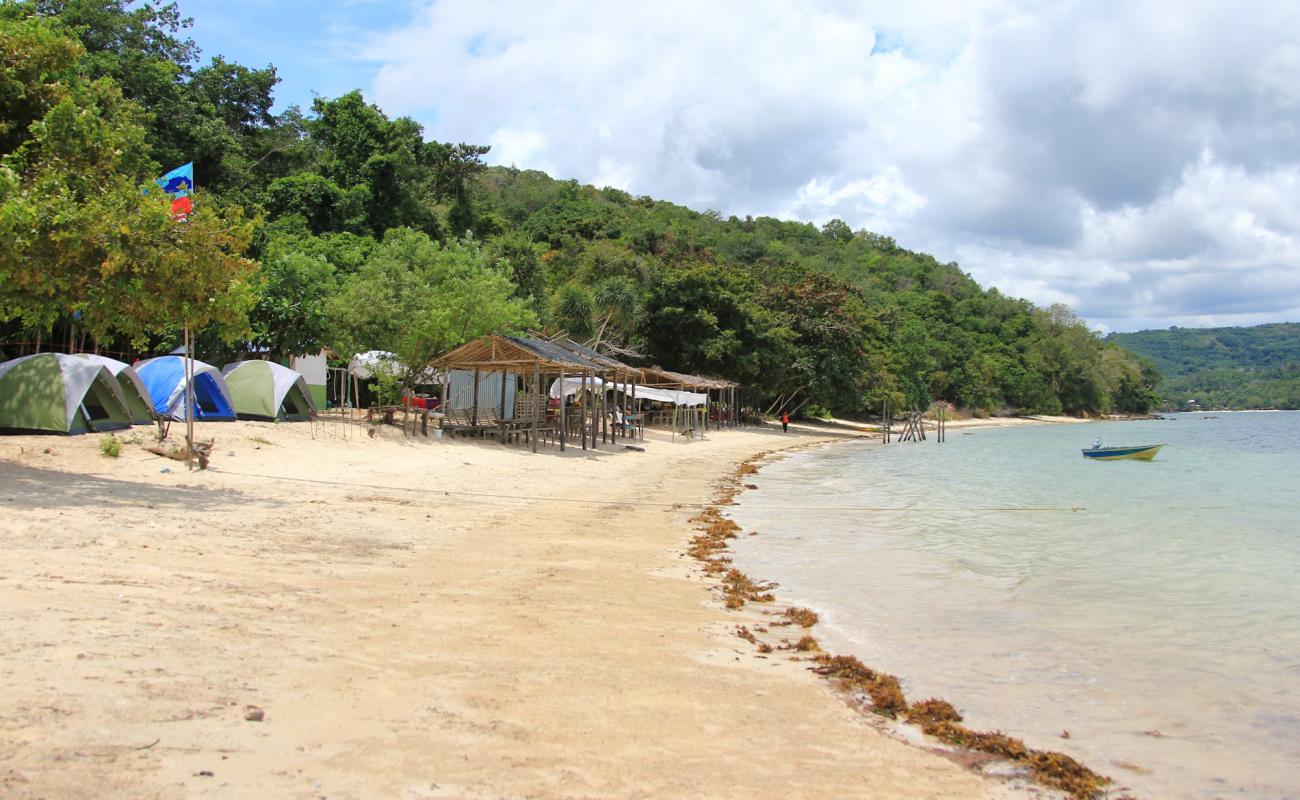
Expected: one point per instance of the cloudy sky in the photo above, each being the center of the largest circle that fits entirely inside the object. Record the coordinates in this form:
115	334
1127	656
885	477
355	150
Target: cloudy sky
1137	160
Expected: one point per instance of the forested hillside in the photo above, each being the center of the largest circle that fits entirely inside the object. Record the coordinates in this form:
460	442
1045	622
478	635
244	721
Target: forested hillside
1255	367
341	227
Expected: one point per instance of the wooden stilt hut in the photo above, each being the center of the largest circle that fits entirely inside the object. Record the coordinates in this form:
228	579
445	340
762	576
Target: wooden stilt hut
515	373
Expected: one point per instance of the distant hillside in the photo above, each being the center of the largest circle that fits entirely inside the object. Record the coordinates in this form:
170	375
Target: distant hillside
1255	367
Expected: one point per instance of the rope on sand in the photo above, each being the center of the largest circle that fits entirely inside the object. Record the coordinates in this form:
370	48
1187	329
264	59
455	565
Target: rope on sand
591	501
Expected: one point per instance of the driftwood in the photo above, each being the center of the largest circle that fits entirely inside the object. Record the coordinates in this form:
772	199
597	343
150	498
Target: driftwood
202	451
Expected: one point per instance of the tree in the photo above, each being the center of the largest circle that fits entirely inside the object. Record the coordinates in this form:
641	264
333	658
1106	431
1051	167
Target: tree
289	318
417	299
86	240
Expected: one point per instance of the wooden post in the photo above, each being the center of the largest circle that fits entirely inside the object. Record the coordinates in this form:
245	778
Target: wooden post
502	414
442	401
582	417
634	411
564	423
473	414
538	402
189	401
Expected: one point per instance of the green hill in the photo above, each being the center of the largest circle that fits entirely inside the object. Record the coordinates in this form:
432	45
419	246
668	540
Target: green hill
338	226
1256	367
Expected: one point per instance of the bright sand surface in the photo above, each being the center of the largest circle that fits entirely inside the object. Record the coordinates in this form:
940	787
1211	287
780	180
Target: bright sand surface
401	642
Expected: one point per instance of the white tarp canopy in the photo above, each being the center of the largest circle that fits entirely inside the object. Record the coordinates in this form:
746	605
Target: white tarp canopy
684	399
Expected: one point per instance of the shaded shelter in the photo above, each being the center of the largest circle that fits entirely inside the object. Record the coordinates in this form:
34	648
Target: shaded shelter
521	362
722	409
622	379
58	393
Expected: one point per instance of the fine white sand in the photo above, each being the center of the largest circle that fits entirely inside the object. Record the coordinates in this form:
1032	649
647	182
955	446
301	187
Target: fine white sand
414	618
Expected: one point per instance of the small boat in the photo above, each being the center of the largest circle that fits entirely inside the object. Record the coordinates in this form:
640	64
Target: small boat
1143	453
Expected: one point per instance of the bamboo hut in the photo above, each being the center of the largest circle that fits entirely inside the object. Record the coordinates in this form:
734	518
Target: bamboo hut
724	395
496	387
618	378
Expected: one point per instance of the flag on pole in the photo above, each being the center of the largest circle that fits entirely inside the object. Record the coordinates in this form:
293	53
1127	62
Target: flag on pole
178	184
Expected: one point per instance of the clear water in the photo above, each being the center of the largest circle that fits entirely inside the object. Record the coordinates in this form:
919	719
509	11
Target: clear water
1159	624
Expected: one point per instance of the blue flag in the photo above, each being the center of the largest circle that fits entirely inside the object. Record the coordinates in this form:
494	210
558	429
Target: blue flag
179	182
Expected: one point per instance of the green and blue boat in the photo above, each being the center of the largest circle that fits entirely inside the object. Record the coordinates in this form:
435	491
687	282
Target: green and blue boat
1142	453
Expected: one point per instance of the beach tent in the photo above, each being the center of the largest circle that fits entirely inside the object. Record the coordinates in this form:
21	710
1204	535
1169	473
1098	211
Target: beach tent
57	393
137	397
164	379
266	390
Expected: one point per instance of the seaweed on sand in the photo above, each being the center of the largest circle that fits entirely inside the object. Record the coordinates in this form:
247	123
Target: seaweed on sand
884	690
803	617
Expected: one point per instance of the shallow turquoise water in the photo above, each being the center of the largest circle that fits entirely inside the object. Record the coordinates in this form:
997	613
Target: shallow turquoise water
1169	603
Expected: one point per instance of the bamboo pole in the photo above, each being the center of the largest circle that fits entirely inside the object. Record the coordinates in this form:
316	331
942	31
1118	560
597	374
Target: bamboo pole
564	423
537	402
473	414
189	401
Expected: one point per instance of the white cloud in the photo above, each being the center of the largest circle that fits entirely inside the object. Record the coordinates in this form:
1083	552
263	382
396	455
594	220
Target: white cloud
1130	158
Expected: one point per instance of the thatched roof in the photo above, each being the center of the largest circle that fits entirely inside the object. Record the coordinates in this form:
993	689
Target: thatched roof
495	352
658	376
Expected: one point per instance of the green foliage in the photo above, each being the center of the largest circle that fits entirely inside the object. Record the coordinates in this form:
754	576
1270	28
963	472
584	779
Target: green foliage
1257	367
416	298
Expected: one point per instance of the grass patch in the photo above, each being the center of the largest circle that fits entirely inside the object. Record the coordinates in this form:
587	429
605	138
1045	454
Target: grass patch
110	446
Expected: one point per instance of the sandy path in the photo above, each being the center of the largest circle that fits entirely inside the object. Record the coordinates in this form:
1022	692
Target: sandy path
401	643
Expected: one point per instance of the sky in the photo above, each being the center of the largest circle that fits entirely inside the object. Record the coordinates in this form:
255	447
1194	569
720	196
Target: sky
1136	160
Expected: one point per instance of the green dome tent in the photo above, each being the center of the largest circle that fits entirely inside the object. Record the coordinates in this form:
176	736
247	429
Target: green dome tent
266	390
57	393
133	391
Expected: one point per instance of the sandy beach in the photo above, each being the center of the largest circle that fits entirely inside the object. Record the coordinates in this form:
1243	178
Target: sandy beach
406	624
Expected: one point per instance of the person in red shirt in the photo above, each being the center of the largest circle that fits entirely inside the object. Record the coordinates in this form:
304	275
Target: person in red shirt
785	421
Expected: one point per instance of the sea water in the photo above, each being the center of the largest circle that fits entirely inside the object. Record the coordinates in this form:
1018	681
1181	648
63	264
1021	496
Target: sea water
1141	616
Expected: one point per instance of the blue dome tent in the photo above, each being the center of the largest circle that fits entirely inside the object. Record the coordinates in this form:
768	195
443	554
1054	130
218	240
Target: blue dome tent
164	378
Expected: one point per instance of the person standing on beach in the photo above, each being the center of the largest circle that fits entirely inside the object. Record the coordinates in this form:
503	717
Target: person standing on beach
785	422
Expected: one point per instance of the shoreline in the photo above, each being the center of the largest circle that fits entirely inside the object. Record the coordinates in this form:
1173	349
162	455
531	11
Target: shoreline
932	724
395	635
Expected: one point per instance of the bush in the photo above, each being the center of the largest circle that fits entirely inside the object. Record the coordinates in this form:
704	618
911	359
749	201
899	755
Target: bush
110	446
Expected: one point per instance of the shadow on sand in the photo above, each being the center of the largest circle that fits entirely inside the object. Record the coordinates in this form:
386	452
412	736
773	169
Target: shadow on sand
35	487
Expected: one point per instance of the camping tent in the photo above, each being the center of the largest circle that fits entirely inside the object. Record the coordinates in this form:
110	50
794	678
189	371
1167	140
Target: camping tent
133	391
266	390
164	379
57	393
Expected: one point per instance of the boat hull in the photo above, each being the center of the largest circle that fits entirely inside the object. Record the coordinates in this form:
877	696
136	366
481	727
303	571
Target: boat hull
1145	453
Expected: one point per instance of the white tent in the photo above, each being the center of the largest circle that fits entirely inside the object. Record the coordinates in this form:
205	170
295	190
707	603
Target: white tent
684	399
366	365
372	362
